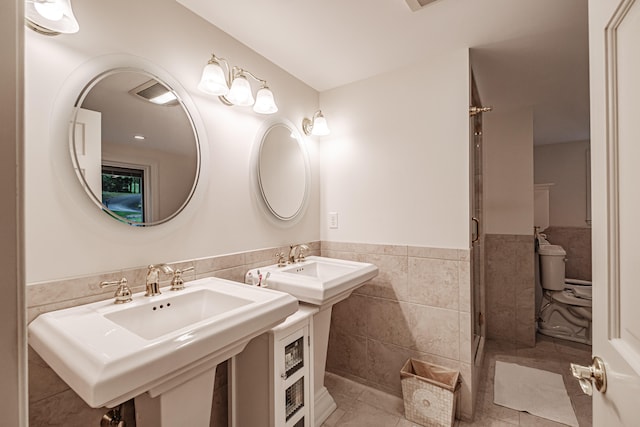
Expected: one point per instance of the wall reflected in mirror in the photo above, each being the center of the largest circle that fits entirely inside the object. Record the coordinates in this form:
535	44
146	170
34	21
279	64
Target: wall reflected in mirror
134	147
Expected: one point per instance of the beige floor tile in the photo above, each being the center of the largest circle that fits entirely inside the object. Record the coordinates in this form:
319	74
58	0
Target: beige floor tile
340	385
493	347
482	420
570	347
387	402
359	405
528	420
364	415
546	352
406	423
583	409
490	409
334	418
344	401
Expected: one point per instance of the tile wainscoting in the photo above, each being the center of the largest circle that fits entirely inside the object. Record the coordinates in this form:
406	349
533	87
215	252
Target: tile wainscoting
577	242
510	288
418	306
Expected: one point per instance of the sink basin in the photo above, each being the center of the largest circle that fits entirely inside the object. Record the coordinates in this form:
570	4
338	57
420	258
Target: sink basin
110	353
150	321
319	280
320	270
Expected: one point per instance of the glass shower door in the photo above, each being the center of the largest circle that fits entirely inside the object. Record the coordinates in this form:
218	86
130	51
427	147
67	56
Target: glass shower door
477	234
477	228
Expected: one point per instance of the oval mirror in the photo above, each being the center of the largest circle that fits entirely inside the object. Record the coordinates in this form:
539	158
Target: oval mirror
283	171
134	147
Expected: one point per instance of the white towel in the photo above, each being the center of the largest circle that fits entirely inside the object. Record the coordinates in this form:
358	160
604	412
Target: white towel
540	393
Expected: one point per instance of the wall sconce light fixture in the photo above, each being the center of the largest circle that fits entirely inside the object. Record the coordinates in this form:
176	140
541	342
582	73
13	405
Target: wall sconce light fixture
317	125
233	88
50	17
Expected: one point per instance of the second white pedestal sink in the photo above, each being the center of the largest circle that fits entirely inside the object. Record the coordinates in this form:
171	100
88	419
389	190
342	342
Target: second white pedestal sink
322	282
162	350
319	280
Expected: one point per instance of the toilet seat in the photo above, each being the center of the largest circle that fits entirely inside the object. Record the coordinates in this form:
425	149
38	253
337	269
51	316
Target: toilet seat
582	292
568	297
577	282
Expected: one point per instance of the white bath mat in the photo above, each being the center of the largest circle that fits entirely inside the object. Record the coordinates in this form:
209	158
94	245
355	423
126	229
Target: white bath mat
540	393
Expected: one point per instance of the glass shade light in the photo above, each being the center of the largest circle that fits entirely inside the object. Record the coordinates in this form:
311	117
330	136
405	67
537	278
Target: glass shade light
51	17
316	126
319	127
49	10
240	92
265	104
213	80
236	90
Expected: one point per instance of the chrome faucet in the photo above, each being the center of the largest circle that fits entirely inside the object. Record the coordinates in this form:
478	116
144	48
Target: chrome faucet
299	250
123	293
153	279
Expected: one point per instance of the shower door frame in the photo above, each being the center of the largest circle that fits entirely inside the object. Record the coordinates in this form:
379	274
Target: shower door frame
477	238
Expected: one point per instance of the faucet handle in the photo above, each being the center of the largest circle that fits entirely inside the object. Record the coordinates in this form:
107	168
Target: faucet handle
301	249
282	259
123	293
177	283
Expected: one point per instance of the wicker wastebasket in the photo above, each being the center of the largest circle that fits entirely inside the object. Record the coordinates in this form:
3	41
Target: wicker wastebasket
430	393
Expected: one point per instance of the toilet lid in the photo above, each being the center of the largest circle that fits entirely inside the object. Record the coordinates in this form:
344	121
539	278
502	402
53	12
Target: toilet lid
553	250
568	297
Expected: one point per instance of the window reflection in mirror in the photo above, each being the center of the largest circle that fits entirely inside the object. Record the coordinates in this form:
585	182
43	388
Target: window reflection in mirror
131	126
123	192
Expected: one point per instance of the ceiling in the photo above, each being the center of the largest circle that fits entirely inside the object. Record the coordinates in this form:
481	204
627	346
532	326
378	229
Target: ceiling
123	115
524	52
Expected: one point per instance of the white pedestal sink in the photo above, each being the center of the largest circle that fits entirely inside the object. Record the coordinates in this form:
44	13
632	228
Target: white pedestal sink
162	350
321	282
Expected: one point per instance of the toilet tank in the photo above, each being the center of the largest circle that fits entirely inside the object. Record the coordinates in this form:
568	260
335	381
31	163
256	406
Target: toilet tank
552	259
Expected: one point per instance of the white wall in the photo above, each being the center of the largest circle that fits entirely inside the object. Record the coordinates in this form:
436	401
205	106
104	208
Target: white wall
66	234
396	164
564	165
508	171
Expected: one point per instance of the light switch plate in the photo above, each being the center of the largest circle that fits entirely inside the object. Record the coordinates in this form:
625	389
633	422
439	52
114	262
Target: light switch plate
333	219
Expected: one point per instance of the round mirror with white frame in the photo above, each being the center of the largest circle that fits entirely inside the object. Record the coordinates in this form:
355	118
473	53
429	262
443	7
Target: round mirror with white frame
282	171
134	146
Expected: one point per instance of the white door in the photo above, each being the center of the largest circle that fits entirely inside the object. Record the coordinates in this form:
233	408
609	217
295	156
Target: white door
87	139
614	46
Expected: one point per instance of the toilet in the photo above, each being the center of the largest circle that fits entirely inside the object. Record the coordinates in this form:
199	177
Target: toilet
565	306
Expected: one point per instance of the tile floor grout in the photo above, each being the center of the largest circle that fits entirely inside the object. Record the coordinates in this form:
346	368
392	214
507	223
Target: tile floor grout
363	406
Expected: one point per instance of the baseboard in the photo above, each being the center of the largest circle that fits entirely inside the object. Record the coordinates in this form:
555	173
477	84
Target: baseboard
324	406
